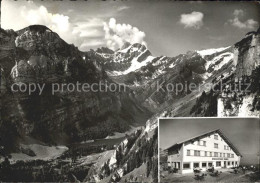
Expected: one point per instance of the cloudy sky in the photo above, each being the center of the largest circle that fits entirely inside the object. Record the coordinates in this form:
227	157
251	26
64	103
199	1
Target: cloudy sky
243	133
166	27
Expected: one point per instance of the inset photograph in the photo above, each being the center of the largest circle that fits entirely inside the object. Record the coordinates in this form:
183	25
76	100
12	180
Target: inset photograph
209	149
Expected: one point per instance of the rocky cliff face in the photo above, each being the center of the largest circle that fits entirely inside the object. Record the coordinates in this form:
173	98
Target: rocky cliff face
154	79
215	67
245	101
235	87
137	150
123	61
40	56
193	68
247	56
36	54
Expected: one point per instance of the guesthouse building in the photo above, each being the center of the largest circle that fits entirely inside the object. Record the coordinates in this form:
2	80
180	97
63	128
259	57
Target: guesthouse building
204	151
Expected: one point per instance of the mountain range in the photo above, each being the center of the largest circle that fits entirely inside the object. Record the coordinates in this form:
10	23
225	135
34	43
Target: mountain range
37	54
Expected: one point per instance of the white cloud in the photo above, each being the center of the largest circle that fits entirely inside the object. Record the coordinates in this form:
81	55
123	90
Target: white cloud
117	34
90	28
91	33
18	17
91	43
56	22
192	20
236	22
27	14
78	33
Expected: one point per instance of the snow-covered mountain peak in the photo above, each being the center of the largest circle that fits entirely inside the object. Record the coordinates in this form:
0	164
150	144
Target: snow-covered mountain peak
130	48
129	58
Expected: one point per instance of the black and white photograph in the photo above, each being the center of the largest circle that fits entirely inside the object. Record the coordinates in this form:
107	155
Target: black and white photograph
84	82
209	149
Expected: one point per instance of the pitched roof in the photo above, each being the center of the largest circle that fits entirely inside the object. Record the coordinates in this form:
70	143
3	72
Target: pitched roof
207	134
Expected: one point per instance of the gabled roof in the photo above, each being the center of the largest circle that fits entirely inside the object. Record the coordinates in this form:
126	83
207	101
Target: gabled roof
204	135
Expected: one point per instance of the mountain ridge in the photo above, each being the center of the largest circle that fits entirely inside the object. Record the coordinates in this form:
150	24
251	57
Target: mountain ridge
37	54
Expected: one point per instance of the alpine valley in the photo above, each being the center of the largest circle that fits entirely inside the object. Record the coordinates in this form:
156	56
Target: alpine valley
110	136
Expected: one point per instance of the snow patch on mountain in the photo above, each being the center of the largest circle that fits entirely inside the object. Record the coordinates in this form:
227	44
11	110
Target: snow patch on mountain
113	160
172	65
203	53
226	58
134	66
104	55
42	152
158	62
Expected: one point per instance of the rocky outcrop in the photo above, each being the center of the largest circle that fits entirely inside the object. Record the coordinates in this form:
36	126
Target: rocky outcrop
244	101
237	89
121	61
40	56
28	151
246	54
104	50
136	150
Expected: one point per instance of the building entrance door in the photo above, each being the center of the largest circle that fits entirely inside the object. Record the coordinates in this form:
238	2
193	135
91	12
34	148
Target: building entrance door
225	164
177	165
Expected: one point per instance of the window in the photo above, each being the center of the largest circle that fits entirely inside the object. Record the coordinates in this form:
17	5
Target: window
205	153
215	145
220	154
233	163
188	152
209	164
204	165
224	155
186	165
210	154
196	165
215	154
226	147
232	155
228	155
216	137
204	143
196	153
218	163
